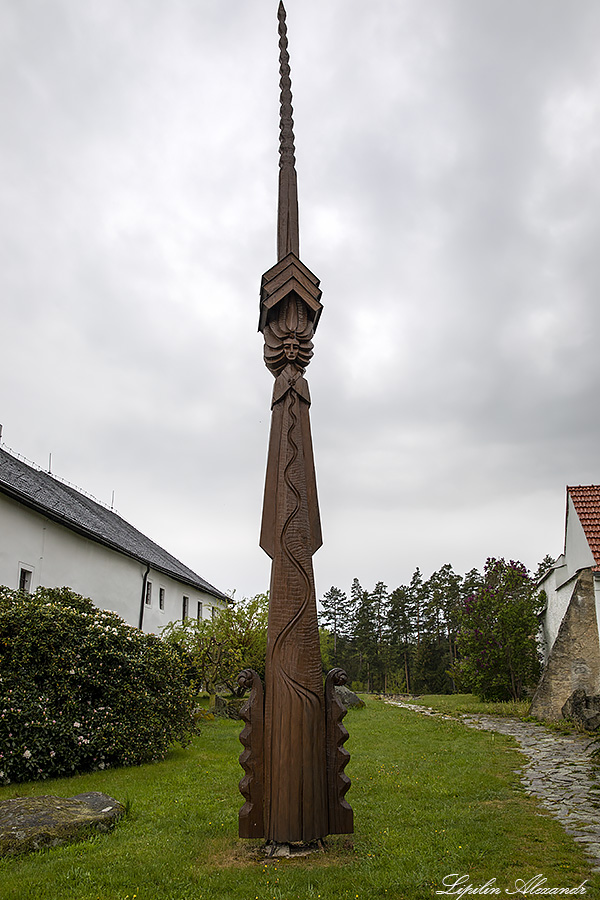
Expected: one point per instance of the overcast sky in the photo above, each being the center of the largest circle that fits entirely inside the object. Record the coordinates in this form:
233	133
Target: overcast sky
449	180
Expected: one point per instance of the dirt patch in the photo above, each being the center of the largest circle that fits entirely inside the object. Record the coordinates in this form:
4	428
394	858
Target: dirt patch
221	854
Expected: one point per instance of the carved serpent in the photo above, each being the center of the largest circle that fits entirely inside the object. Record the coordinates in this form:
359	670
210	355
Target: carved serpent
292	402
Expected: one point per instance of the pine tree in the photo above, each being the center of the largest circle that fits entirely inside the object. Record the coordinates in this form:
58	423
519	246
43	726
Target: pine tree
543	567
364	635
416	595
400	633
444	597
333	615
378	601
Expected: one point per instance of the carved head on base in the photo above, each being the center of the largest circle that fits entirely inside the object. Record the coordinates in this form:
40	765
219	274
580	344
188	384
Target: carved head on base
288	335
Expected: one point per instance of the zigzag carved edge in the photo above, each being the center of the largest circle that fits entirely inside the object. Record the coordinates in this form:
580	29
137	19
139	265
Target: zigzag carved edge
251	815
341	817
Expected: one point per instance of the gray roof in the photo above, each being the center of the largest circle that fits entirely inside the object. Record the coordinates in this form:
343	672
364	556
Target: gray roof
68	506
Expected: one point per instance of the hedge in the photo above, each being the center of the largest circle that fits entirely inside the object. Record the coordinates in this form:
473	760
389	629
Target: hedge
82	690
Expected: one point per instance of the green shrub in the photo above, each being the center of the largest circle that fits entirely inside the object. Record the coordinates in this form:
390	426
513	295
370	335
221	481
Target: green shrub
214	651
497	638
80	689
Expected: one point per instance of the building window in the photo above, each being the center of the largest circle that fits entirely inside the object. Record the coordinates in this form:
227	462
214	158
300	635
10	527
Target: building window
25	580
148	593
161	599
199	611
185	612
214	611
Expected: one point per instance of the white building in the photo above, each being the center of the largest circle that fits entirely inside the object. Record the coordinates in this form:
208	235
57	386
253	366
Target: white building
569	623
53	535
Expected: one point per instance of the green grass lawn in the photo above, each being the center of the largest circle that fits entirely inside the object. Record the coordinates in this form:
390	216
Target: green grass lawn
431	797
454	704
457	704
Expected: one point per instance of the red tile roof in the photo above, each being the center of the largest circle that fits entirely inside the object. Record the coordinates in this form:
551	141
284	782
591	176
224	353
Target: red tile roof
586	500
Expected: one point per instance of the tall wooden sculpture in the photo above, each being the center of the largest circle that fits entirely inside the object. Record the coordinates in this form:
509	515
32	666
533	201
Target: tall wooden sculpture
294	760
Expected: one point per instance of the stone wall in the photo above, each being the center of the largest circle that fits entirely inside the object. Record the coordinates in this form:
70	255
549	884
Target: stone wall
574	661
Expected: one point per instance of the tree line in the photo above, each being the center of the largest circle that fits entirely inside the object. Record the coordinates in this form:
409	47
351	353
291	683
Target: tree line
439	634
474	632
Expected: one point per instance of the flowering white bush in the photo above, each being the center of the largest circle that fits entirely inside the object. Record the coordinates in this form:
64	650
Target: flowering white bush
80	689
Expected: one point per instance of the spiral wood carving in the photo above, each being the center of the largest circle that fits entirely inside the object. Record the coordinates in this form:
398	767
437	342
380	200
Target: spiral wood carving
286	121
288	233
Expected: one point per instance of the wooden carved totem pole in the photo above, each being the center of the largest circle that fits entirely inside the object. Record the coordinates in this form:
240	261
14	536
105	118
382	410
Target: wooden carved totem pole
294	760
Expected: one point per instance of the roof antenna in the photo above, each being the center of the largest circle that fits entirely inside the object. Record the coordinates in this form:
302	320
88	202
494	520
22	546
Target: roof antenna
49	464
112	502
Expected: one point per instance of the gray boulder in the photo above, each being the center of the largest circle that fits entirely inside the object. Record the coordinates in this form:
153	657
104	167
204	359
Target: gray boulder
583	709
228	708
30	823
348	697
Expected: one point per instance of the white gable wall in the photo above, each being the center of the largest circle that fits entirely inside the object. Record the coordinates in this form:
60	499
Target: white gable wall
558	595
577	550
560	583
59	557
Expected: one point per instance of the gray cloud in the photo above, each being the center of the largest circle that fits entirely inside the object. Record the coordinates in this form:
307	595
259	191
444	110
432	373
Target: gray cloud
447	156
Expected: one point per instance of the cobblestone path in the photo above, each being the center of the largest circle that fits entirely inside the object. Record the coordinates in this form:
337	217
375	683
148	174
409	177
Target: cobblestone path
559	772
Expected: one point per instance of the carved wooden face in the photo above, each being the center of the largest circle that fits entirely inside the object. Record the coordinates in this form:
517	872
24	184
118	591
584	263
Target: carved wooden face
291	347
288	336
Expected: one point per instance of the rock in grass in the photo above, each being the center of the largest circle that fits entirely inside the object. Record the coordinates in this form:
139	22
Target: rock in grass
228	708
31	823
583	709
348	697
